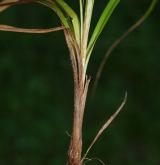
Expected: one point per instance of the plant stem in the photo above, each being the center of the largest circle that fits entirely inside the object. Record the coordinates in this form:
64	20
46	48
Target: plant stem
80	93
75	148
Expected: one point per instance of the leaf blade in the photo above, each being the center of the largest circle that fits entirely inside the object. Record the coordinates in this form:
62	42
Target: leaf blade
75	20
112	4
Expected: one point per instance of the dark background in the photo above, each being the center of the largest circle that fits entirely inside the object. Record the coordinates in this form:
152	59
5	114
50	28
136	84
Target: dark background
36	90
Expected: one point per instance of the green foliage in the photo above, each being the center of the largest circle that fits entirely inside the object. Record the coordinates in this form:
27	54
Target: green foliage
74	18
81	26
101	23
32	80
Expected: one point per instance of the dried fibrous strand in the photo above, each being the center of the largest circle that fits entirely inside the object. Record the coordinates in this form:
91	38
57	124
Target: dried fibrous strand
119	40
10	3
105	126
24	30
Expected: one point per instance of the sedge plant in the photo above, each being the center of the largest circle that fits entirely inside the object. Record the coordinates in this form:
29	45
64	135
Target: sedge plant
81	42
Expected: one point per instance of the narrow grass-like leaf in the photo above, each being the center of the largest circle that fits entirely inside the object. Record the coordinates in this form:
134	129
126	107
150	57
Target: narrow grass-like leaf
101	23
86	26
24	30
74	18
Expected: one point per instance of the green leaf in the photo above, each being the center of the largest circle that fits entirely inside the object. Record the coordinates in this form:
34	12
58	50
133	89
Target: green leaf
101	24
74	18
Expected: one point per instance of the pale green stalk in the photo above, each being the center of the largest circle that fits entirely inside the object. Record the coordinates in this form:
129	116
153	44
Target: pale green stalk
81	4
86	28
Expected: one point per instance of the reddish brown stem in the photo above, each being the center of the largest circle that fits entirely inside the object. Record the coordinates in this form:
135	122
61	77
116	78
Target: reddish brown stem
75	148
81	83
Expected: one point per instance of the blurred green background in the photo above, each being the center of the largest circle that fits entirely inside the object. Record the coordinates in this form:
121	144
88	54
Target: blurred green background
36	90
